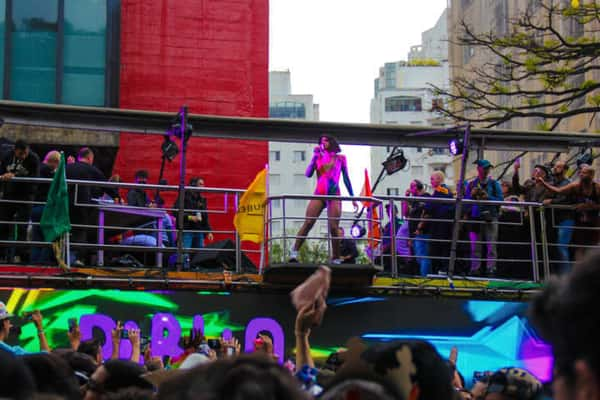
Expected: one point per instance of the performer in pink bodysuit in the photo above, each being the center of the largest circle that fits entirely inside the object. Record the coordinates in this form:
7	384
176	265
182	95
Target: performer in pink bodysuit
329	165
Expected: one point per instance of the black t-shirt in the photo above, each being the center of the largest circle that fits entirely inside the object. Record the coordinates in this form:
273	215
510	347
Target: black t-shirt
27	168
42	190
137	198
87	172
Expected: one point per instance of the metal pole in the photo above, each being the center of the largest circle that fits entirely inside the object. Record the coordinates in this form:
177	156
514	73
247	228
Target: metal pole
181	205
534	255
68	249
238	255
100	253
392	219
283	229
545	254
459	197
159	242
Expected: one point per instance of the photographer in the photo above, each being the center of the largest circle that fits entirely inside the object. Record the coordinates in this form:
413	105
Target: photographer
485	227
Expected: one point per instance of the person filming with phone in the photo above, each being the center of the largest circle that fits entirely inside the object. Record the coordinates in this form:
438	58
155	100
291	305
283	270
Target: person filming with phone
6	326
484	228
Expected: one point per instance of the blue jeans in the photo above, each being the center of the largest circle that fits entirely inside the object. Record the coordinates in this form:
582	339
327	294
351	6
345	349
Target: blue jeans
421	249
565	233
39	255
191	240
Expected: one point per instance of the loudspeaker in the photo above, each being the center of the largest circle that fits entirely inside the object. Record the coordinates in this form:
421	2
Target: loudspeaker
341	275
219	255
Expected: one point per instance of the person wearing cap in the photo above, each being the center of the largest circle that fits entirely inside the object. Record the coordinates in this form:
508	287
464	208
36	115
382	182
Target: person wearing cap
485	228
513	384
6	325
531	190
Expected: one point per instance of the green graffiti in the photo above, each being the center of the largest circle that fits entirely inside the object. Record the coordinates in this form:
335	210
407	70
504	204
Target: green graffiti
60	298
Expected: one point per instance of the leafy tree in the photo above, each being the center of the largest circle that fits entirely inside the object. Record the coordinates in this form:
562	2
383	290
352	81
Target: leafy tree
536	70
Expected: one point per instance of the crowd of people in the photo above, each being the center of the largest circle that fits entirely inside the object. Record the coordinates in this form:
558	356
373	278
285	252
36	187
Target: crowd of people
402	370
423	236
494	239
24	204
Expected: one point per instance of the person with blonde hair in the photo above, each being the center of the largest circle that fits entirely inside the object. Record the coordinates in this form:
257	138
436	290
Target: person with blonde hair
440	228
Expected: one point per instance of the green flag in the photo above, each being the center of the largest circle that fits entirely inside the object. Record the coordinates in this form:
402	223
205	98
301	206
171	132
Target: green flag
55	219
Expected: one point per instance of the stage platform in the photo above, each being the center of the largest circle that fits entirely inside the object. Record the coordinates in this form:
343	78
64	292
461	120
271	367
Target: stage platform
351	279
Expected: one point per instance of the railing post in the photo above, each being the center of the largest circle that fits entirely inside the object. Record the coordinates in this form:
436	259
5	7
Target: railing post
100	253
534	255
392	222
545	254
238	254
181	205
284	244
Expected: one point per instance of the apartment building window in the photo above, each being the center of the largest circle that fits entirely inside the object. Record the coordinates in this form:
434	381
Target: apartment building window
468	53
403	103
276	203
274	155
299	203
276	227
287	109
416	171
274	179
299	181
299	155
393	192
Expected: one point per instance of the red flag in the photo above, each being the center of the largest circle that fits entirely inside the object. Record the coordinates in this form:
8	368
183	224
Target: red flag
374	224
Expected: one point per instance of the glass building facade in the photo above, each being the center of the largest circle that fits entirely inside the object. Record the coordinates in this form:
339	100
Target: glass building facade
60	51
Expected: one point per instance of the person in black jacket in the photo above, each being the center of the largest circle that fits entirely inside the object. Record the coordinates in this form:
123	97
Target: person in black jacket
21	162
83	169
138	197
195	223
348	250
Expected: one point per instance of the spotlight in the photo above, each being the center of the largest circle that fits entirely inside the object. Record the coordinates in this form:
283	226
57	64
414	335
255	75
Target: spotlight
357	231
395	162
169	148
456	146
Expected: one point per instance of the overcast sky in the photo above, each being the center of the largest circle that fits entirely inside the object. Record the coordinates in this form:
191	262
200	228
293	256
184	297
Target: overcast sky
334	48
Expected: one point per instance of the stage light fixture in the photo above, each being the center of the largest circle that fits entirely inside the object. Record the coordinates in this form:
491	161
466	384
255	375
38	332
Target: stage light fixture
169	148
357	231
456	146
395	162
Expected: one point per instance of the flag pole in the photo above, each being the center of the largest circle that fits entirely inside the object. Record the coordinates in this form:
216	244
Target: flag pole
68	250
261	264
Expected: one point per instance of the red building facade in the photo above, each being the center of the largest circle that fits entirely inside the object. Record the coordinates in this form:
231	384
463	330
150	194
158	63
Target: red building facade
211	55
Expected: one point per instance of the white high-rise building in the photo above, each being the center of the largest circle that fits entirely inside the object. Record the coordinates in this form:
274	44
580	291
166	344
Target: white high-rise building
403	96
288	161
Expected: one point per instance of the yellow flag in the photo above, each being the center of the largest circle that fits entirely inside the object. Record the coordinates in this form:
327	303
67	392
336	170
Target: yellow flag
250	216
575	3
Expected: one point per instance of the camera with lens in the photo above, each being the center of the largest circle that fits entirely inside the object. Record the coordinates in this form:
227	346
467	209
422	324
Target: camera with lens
479	194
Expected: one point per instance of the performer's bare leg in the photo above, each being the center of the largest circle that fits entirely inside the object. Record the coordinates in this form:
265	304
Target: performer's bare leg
314	209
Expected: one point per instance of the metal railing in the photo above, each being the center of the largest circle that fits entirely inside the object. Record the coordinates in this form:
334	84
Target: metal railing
524	245
529	234
155	223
